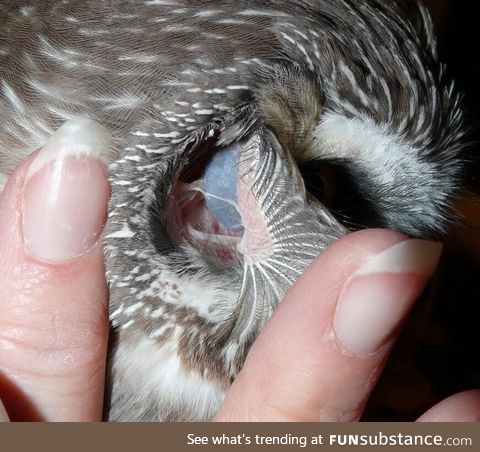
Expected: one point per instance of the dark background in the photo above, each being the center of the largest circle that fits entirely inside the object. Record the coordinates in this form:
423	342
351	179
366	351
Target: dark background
438	351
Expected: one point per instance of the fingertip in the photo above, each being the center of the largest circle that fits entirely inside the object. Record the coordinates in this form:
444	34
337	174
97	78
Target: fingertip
53	208
66	192
460	407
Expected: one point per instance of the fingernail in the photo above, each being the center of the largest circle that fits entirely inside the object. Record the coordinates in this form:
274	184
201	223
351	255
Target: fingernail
66	193
379	294
3	413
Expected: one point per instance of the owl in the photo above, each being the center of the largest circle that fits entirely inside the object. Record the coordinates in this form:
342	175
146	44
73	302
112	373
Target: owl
248	136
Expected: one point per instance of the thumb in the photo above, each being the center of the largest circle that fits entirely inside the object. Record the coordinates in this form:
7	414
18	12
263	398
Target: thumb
53	295
320	355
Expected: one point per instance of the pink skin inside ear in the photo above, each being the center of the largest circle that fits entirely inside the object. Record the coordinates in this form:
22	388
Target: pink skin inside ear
202	227
257	241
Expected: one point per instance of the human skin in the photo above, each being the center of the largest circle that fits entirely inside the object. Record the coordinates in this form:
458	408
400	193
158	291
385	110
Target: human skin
317	359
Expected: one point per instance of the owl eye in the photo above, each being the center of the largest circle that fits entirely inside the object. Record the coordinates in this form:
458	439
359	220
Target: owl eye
345	190
320	181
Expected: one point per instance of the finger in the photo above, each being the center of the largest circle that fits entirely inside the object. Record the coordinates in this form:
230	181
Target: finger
53	295
322	352
461	407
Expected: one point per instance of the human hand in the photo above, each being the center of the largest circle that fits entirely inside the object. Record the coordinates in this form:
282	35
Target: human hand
308	364
321	354
53	295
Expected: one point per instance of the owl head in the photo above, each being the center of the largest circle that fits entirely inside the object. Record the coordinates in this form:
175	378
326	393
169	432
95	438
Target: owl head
277	130
248	136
